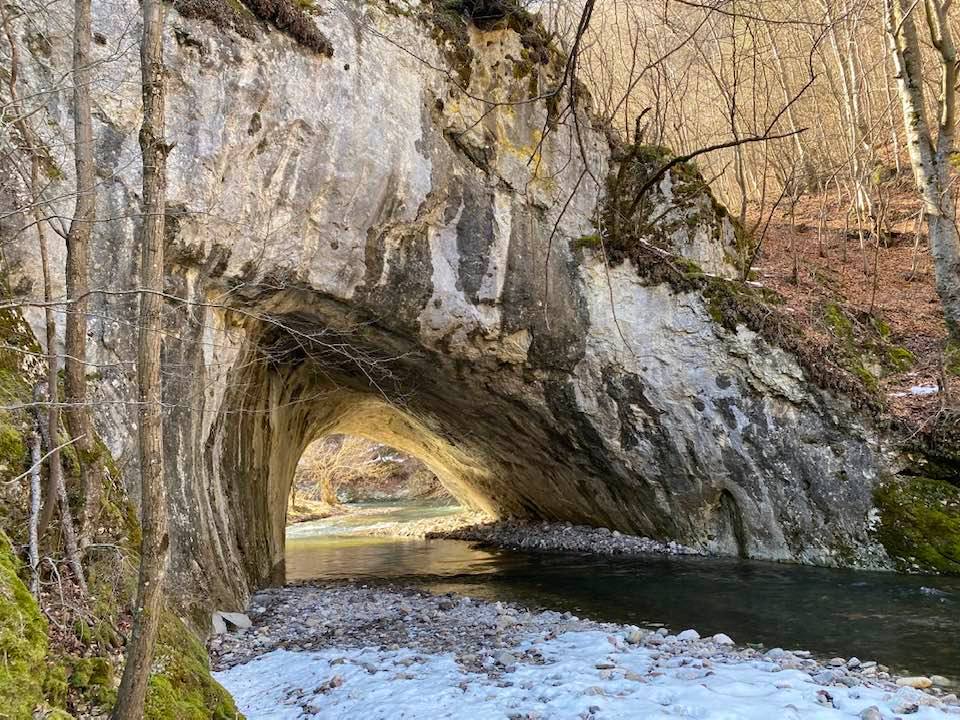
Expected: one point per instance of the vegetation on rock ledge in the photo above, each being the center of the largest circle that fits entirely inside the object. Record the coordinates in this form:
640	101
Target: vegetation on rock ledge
920	524
290	18
634	230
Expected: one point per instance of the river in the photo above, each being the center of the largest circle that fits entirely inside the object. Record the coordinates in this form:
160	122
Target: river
911	623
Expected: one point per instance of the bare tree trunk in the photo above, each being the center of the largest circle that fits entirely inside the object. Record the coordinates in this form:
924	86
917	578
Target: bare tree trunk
30	179
153	512
931	159
56	489
79	422
34	535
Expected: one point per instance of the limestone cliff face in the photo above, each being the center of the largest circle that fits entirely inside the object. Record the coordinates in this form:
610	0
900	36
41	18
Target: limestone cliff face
397	245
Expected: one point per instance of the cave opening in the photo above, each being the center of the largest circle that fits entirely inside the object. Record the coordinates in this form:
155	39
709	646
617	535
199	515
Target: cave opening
340	474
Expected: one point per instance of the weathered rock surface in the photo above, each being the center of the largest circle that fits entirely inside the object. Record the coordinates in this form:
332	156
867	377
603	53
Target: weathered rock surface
360	244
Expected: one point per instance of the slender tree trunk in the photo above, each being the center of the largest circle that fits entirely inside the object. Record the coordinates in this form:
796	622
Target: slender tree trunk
35	463
30	180
153	512
56	489
79	422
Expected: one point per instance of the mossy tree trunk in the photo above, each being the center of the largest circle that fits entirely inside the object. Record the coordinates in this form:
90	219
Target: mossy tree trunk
154	545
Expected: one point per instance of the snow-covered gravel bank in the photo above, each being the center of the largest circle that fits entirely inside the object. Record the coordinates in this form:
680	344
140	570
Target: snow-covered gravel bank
348	651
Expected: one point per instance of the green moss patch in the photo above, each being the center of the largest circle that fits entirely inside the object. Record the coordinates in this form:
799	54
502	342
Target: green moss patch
23	641
632	221
862	344
183	687
920	523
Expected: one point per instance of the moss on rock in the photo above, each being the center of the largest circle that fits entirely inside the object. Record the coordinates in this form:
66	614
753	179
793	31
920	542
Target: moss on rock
93	678
23	640
920	523
863	346
182	686
633	222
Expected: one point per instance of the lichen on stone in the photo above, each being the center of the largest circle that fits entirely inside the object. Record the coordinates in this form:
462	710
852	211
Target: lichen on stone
450	20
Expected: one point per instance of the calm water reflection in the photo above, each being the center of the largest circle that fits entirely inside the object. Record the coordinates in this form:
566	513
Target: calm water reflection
909	623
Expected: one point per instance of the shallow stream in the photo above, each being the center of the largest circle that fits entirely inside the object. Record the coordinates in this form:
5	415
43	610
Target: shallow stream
910	623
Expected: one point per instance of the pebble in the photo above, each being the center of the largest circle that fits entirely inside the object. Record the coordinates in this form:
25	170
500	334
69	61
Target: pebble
826	677
871	713
504	658
919	682
493	638
542	536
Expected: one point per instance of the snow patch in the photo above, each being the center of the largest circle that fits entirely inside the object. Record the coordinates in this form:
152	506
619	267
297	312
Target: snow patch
583	674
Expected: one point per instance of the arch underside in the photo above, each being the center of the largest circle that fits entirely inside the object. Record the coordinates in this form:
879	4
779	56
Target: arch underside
601	446
487	432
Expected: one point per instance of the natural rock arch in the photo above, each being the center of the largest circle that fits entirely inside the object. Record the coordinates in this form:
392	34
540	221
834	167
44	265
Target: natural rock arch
363	244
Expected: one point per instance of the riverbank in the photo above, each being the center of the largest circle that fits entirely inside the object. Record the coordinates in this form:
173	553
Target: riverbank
347	650
557	537
484	531
306	510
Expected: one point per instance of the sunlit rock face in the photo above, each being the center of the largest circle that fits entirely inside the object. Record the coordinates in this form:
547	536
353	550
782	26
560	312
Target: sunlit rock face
360	244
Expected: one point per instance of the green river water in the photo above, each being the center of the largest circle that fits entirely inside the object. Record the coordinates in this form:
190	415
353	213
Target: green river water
911	623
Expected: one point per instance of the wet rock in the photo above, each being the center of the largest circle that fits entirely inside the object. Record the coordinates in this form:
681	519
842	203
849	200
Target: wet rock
871	713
